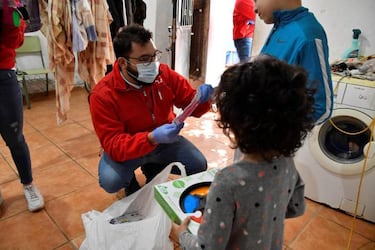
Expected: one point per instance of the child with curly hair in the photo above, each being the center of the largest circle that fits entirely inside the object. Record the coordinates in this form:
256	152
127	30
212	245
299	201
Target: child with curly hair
266	111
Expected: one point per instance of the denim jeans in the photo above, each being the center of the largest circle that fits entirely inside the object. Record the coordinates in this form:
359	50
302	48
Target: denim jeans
11	124
243	47
116	175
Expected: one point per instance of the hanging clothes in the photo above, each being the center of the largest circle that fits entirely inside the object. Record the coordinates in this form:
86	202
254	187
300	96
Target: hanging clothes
83	25
61	55
116	8
139	10
43	8
129	11
92	62
34	23
94	50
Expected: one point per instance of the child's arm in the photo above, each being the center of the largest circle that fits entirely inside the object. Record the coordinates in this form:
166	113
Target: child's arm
178	229
217	219
296	206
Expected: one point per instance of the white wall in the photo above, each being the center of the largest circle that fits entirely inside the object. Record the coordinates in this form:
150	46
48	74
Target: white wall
158	18
182	47
219	38
338	18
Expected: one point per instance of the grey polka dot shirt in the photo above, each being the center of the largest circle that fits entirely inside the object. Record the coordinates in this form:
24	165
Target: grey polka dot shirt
246	206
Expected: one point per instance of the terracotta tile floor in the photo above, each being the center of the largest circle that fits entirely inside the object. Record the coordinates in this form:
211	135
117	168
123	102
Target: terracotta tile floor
65	170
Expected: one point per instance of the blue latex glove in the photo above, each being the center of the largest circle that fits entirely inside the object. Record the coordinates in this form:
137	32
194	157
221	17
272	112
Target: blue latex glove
206	91
167	133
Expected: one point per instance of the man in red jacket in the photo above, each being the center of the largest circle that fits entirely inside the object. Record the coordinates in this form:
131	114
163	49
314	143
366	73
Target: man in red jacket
12	29
243	28
132	113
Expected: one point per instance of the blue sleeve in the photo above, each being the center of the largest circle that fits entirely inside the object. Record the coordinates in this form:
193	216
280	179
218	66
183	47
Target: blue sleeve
314	58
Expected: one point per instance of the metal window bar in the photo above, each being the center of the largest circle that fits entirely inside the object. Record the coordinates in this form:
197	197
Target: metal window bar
186	13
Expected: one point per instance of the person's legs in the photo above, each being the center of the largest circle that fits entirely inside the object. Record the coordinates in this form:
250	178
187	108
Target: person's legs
243	47
182	151
11	124
116	175
11	130
151	169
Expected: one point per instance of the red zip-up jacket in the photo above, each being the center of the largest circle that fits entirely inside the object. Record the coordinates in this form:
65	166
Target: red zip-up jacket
11	38
123	115
243	19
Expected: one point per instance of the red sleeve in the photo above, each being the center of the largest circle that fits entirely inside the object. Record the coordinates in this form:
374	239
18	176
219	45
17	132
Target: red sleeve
184	93
246	8
13	36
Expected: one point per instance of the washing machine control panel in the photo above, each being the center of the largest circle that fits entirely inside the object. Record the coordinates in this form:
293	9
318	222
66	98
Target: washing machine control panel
359	96
356	95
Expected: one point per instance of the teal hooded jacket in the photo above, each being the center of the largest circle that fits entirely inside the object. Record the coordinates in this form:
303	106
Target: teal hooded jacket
299	39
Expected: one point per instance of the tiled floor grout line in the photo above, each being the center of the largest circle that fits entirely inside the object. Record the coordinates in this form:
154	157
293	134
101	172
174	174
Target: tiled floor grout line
349	228
13	215
77	162
62	150
57	226
68	241
314	214
61	230
8	164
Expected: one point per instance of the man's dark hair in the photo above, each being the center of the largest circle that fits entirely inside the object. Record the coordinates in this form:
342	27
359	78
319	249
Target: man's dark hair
122	42
266	105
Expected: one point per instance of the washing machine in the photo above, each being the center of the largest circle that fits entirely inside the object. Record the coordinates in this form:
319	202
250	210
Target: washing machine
338	156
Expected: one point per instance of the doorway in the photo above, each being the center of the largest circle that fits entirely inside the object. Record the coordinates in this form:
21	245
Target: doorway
199	40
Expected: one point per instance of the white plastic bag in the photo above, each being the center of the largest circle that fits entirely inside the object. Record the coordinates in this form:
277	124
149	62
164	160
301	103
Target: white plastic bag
152	232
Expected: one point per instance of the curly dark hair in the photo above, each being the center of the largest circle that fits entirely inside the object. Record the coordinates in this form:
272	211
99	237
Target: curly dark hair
266	105
122	42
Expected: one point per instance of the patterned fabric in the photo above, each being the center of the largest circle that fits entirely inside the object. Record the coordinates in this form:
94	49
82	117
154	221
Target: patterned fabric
64	76
246	206
61	56
83	25
43	7
92	63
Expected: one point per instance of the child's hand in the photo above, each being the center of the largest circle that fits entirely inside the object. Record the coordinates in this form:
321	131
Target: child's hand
177	229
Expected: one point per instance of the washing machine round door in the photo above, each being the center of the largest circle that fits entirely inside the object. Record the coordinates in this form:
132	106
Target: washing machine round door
341	144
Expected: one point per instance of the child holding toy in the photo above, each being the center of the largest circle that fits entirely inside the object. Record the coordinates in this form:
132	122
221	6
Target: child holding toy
266	111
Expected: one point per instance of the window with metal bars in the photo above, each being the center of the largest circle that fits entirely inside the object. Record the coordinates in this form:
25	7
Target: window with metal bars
185	13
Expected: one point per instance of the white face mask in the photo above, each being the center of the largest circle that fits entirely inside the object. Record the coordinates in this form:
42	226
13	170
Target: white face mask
147	74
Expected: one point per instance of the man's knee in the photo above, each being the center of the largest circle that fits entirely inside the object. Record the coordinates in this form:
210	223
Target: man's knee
196	165
200	166
111	183
109	187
